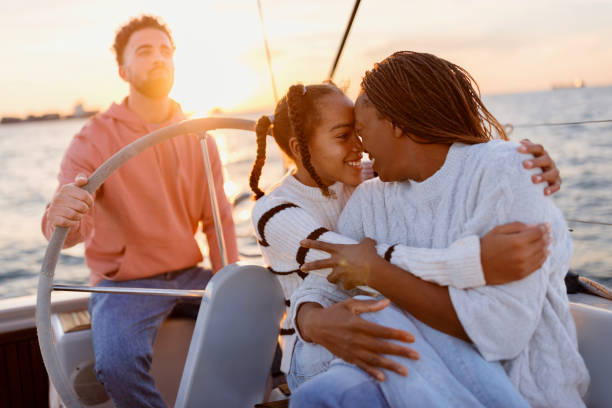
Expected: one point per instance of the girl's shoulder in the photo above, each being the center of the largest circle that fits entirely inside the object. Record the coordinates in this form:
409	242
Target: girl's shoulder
268	202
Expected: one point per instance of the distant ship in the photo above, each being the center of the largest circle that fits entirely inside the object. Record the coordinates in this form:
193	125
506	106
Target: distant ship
578	83
80	112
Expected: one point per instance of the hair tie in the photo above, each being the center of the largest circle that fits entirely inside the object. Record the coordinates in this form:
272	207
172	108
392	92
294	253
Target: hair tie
303	89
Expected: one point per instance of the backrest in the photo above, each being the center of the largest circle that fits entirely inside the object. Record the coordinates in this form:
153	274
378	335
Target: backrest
234	339
594	327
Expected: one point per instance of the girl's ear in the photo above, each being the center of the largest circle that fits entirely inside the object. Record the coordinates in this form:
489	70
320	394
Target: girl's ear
294	147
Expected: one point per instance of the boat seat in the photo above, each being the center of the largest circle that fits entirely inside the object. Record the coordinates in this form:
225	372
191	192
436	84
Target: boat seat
228	357
234	339
593	317
74	346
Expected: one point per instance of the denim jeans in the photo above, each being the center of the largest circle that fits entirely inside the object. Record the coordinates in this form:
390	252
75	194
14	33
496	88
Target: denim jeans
342	385
124	328
449	373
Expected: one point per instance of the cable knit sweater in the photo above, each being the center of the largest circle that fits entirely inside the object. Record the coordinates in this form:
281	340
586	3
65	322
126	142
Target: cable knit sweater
294	211
526	324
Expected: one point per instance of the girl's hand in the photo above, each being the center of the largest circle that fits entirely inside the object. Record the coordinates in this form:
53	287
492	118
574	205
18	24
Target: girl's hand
341	330
550	172
511	252
351	264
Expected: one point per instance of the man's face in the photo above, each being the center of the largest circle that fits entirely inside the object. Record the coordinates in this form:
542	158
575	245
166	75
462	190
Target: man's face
380	141
148	63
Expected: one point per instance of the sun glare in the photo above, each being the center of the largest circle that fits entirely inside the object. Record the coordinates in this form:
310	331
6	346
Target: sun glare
211	68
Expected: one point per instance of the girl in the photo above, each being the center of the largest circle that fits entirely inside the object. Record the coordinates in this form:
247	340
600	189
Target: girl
442	178
313	125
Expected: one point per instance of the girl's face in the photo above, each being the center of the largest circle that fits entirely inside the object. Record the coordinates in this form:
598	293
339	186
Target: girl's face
335	149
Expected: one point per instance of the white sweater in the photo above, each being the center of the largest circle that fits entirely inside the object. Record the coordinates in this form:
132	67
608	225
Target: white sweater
294	211
526	324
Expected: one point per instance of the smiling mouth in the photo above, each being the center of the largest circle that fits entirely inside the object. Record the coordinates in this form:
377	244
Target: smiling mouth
356	164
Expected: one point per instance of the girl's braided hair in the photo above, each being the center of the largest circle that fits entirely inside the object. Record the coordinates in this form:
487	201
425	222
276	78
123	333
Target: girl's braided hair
296	115
430	99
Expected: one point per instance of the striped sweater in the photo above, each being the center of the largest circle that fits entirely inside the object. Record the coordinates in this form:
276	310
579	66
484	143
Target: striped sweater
293	211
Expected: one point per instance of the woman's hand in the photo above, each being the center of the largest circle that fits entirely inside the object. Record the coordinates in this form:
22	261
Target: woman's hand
511	252
550	173
351	264
341	330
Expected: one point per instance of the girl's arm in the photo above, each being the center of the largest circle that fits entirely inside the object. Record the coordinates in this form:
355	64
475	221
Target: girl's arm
282	226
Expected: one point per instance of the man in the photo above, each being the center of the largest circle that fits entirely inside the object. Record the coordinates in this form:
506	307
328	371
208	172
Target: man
138	228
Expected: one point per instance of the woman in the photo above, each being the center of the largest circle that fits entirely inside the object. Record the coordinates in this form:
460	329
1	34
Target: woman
313	125
441	178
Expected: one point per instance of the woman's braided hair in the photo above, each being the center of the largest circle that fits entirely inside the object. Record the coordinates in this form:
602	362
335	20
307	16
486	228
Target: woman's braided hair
296	115
430	99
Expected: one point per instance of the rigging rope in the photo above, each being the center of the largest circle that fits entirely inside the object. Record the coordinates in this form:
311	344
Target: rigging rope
346	33
269	58
590	222
510	127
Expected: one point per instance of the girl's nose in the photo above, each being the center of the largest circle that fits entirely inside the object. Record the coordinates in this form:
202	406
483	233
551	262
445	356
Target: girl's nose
357	146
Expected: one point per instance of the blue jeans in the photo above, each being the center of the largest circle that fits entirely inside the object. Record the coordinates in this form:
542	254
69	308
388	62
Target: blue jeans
124	328
450	372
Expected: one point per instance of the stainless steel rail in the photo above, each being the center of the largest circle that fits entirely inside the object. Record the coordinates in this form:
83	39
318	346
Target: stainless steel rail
131	291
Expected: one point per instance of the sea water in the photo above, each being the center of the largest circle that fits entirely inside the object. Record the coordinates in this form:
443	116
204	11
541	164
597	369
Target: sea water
30	155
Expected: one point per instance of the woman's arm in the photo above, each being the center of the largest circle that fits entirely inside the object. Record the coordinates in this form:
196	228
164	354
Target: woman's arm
498	319
507	253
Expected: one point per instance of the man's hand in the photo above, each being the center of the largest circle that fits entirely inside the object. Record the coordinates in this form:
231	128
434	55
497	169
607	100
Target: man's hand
513	251
550	173
341	330
352	264
69	204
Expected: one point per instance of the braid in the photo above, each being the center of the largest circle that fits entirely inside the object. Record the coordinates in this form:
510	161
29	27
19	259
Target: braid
261	129
295	101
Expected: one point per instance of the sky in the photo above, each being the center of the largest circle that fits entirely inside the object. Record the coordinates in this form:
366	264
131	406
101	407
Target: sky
57	53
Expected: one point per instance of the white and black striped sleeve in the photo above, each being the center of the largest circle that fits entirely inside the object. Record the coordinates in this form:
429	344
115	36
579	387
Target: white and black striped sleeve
281	226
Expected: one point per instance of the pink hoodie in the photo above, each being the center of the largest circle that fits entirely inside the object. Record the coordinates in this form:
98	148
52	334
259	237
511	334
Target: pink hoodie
146	213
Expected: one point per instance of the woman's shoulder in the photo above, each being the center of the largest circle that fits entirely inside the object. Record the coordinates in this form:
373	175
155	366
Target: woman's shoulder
494	153
370	186
493	160
368	190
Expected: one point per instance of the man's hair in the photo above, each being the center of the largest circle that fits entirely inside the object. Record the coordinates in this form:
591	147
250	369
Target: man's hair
137	23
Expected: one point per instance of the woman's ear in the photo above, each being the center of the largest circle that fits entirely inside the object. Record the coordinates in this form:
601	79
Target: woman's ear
397	132
294	147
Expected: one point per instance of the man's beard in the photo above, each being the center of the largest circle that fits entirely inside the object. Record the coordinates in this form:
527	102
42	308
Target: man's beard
155	88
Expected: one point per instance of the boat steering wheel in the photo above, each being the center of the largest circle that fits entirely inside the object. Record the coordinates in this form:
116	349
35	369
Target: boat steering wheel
45	282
